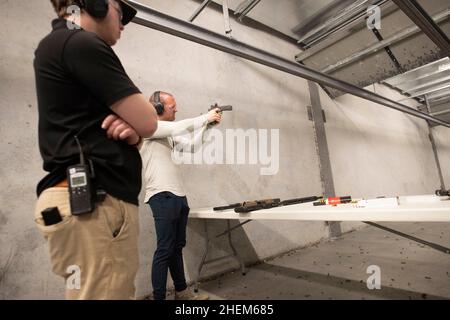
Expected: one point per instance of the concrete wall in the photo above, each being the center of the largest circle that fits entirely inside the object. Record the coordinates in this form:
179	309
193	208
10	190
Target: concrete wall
374	151
377	151
442	138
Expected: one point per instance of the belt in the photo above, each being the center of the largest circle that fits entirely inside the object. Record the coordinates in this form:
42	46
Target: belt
100	193
62	184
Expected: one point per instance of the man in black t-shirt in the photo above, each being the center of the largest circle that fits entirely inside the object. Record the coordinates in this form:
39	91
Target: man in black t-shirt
84	91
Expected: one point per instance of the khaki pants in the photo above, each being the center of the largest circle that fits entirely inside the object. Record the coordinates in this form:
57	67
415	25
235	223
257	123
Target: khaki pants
96	253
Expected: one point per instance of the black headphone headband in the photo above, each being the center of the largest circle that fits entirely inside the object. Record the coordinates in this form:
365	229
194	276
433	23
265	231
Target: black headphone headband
157	97
99	9
159	106
96	8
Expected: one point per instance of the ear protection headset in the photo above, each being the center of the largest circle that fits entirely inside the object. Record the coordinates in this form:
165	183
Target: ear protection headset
96	8
157	103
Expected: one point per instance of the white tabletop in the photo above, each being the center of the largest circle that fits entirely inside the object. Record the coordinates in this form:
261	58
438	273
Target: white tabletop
410	209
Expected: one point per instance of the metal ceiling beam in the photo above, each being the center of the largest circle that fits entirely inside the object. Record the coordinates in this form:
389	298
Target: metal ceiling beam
425	85
405	33
421	18
199	10
428	91
318	38
226	18
245	7
434	147
342	32
336	20
153	19
439	113
440	94
419	73
440	101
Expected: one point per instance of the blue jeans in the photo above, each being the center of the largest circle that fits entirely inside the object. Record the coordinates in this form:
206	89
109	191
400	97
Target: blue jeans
171	215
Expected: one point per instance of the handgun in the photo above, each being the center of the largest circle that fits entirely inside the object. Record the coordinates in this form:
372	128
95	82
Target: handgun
222	108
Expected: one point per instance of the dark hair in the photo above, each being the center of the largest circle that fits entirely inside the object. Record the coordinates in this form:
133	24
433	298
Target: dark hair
61	6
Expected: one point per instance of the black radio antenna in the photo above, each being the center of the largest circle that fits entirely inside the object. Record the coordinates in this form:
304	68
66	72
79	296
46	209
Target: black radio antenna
80	149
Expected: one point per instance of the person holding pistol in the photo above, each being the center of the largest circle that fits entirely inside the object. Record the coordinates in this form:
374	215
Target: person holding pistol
165	194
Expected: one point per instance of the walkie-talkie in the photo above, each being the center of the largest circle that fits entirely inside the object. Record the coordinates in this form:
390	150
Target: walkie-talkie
82	198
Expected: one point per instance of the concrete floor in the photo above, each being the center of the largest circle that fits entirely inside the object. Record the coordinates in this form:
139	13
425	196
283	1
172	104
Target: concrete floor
338	269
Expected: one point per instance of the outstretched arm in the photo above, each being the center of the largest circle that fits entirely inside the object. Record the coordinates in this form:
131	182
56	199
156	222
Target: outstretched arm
176	128
186	143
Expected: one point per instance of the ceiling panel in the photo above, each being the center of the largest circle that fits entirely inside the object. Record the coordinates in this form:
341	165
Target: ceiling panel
411	52
332	44
431	80
434	83
285	15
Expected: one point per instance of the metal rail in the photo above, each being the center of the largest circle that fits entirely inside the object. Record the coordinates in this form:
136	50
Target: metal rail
410	237
199	10
151	18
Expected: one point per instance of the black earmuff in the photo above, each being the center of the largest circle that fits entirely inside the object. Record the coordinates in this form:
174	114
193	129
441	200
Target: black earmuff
96	8
157	103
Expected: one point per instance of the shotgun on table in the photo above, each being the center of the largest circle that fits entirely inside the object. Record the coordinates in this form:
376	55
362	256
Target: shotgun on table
248	206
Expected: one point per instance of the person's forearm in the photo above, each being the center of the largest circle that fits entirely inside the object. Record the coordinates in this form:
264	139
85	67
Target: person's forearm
189	144
176	128
118	129
138	113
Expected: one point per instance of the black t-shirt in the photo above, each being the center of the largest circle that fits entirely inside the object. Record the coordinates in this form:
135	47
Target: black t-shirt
78	76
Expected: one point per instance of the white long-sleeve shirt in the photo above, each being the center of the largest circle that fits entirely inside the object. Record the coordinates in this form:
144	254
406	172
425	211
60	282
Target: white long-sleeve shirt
159	171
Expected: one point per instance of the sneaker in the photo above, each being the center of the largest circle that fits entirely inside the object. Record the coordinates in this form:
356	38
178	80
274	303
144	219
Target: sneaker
186	294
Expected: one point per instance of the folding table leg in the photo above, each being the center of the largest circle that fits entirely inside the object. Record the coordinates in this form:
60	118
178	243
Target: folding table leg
205	253
235	253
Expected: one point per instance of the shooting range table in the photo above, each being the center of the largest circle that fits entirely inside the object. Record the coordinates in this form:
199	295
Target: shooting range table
427	208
